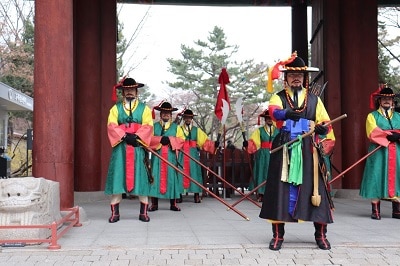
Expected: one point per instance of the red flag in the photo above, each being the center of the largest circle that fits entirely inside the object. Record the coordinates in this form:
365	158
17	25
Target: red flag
222	94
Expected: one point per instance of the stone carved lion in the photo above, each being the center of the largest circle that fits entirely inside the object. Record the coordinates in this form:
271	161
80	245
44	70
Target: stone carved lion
28	201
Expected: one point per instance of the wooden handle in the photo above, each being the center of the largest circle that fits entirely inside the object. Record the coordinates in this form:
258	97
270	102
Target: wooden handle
309	133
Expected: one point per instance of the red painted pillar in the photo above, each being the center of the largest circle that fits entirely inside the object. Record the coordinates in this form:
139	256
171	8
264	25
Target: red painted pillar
53	143
95	32
332	70
108	78
359	78
88	94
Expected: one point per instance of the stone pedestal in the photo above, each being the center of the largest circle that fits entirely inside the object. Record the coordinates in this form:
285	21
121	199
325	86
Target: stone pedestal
28	201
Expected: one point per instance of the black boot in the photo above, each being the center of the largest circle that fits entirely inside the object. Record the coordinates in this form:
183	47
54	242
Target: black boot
396	209
174	207
278	230
197	198
260	197
154	204
320	236
114	213
180	200
376	210
143	212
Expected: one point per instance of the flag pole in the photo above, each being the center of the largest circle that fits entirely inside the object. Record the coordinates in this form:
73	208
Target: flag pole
223	160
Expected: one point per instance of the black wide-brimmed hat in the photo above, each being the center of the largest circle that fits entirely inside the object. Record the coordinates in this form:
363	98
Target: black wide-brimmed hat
165	106
188	113
264	114
385	92
129	83
382	91
296	64
125	83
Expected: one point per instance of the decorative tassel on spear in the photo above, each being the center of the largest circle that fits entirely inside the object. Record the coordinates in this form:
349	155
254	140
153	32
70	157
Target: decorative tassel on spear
222	106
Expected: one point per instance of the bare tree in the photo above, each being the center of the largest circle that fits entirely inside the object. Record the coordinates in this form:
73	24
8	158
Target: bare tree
389	46
16	70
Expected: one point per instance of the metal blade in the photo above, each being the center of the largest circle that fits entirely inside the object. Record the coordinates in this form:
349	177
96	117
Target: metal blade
225	111
239	109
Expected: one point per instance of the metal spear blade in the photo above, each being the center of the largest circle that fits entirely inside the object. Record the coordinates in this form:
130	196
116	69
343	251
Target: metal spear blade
225	111
239	109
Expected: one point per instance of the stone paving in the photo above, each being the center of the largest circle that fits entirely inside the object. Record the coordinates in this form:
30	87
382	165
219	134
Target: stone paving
209	234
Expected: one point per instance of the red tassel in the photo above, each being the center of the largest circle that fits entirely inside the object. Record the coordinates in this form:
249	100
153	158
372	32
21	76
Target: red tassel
290	59
372	97
114	93
116	86
223	77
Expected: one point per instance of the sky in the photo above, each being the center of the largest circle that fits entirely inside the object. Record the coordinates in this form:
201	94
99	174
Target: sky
262	34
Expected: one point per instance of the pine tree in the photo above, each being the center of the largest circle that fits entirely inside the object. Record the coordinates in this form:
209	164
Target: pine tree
196	86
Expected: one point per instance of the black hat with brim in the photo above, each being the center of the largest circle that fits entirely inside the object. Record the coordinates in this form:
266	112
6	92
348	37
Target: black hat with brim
165	107
188	113
130	83
385	92
298	65
264	114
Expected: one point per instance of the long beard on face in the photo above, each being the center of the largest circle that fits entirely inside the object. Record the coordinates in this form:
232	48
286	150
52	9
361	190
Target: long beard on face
296	88
130	98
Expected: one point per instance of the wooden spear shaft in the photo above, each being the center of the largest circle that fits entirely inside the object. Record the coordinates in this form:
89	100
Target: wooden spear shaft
219	177
353	165
191	179
249	194
308	133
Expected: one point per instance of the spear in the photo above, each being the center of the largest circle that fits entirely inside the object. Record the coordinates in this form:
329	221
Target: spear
353	165
308	133
190	178
249	194
219	177
239	115
225	112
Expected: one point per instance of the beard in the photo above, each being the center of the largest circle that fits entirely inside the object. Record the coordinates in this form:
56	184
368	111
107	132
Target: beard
130	98
296	88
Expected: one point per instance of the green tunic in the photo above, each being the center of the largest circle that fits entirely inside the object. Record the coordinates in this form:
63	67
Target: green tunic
166	184
378	178
116	181
190	167
261	160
